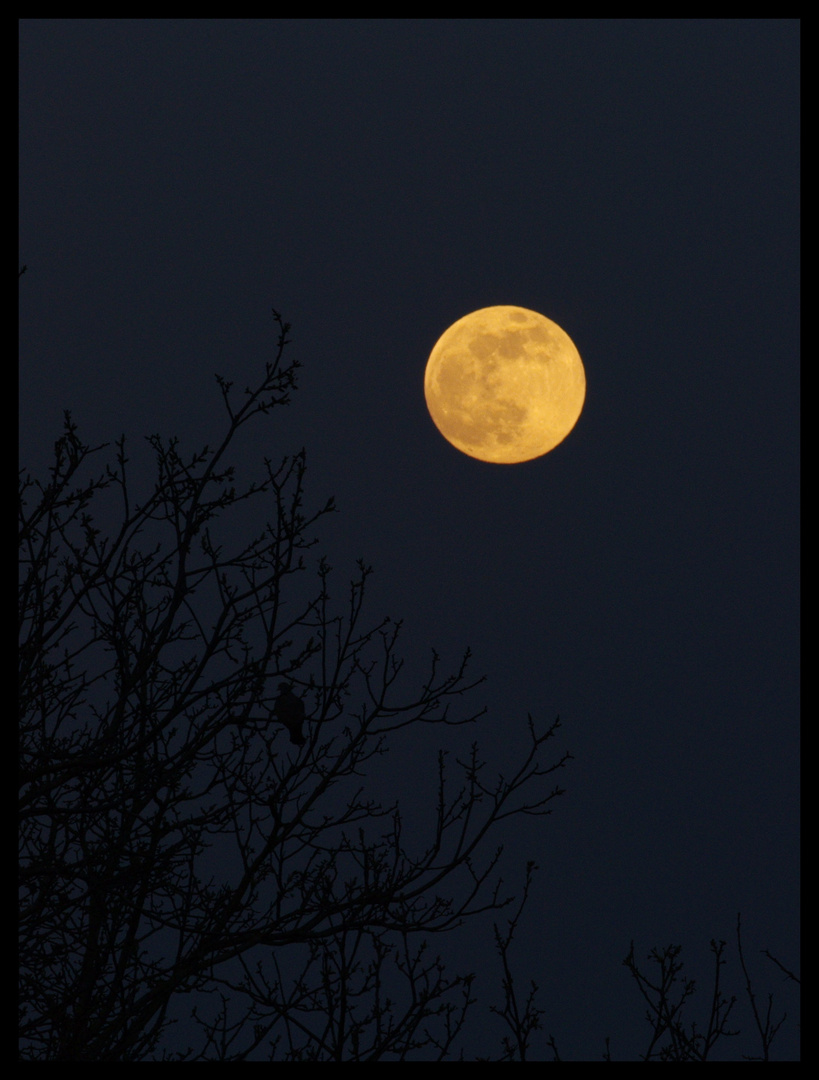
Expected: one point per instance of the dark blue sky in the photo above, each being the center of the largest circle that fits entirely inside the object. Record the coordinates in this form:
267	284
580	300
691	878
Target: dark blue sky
635	181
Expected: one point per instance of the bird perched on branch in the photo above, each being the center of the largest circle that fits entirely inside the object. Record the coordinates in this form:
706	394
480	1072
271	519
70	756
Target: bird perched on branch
289	710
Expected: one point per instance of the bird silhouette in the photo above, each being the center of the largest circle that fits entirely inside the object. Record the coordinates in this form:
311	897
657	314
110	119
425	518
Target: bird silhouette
289	710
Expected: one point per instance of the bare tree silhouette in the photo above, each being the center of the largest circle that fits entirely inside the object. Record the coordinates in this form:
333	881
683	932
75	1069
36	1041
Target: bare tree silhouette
193	884
204	873
668	996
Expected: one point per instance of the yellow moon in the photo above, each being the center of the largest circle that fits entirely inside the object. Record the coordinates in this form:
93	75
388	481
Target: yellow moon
504	384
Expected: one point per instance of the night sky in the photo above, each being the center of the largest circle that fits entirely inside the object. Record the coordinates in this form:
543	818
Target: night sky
636	182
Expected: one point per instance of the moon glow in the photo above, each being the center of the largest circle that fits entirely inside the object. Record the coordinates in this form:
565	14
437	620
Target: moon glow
504	384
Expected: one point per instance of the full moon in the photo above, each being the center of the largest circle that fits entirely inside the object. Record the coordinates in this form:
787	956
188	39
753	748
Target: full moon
504	384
